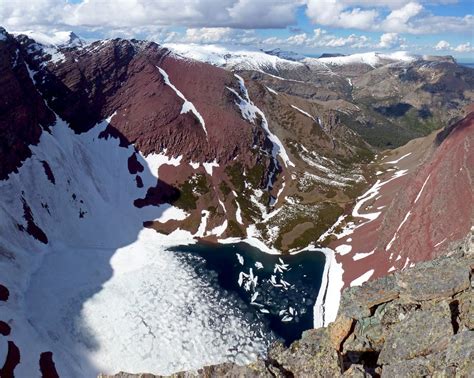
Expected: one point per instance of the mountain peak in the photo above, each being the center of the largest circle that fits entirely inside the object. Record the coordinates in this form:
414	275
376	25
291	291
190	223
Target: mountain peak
55	39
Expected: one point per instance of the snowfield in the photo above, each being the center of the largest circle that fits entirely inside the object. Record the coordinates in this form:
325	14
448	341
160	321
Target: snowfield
104	294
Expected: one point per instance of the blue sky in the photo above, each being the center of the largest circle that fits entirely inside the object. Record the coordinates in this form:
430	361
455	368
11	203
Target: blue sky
439	27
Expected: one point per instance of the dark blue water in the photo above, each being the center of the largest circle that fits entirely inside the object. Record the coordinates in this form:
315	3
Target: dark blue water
470	65
280	290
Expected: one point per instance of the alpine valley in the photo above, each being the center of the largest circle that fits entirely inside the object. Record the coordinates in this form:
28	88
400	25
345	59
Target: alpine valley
167	207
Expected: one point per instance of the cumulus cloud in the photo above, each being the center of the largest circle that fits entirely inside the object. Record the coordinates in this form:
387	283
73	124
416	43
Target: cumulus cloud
464	47
152	13
216	35
320	38
397	16
391	40
442	45
461	48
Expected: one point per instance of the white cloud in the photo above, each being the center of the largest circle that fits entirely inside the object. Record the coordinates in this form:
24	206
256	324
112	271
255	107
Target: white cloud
320	38
404	16
464	47
216	35
391	40
442	45
461	48
111	14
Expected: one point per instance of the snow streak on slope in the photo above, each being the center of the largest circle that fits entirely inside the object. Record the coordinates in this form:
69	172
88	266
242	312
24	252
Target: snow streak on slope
251	112
104	294
187	105
304	113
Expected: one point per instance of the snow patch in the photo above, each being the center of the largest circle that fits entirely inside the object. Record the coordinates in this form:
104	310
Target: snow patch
188	106
362	255
343	249
208	166
250	112
364	278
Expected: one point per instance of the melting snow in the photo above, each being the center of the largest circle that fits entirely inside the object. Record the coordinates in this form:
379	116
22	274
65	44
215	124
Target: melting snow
209	166
187	105
362	255
272	90
329	296
421	190
398	160
343	249
304	113
250	112
365	277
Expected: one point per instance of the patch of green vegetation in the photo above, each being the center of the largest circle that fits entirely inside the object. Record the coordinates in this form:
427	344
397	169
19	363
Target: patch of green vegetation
248	209
255	175
377	130
235	173
225	189
190	192
413	121
355	190
234	229
200	184
327	215
331	193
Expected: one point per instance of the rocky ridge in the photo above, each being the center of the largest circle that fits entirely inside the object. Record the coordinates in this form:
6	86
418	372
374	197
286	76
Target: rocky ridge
416	322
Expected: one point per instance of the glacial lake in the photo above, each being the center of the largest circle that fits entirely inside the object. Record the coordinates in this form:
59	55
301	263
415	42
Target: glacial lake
279	290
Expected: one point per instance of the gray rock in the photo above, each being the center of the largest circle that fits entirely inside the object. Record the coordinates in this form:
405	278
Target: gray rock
418	367
312	356
422	333
356	302
434	279
460	353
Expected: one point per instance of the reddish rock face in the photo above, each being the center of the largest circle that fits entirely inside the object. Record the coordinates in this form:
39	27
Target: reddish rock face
122	77
443	211
12	360
47	366
22	110
427	212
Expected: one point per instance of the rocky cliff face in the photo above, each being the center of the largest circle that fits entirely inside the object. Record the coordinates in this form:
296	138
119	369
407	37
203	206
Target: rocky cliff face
418	322
23	114
403	218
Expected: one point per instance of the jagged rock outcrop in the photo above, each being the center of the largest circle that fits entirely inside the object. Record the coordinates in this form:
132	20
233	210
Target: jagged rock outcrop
417	322
23	113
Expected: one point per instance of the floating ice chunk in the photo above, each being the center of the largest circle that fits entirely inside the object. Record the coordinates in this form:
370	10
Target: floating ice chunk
254	297
258	265
241	279
240	258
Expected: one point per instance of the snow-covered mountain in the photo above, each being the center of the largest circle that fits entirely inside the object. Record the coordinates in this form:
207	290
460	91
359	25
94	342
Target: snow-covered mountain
233	57
247	59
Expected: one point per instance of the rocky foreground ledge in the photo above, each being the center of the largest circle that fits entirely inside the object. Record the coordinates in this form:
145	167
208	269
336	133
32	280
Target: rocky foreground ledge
418	322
